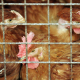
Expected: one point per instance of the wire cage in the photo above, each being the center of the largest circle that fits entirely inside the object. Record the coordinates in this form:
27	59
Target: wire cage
62	58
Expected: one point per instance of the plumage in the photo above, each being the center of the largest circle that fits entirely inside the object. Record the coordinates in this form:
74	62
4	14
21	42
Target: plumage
12	34
64	17
35	15
58	53
65	71
38	14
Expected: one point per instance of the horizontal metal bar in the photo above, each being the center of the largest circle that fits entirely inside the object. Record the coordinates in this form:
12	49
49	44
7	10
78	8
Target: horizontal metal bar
68	43
49	4
39	24
43	62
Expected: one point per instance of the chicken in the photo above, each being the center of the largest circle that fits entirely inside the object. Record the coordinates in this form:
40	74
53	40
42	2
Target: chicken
65	71
56	15
58	53
33	75
12	34
64	17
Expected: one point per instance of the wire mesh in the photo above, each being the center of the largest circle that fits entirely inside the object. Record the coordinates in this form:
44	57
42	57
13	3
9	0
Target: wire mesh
4	44
49	43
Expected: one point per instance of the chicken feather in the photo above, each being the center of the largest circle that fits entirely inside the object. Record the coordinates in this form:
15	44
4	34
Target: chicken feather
12	34
58	53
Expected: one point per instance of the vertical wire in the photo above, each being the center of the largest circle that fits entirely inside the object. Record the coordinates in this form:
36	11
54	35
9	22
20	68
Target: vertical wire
71	36
3	41
25	13
48	39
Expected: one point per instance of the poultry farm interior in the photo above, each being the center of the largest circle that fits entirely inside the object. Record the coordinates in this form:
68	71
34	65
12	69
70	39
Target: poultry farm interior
41	40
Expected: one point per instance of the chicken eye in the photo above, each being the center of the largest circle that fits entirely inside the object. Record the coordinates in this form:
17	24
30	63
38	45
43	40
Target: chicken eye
33	50
10	19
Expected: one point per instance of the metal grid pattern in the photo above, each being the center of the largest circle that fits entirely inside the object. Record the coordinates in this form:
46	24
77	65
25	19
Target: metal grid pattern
50	62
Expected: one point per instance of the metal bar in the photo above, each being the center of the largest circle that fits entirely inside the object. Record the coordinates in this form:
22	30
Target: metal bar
43	4
48	38
4	41
71	36
39	24
67	43
47	62
26	38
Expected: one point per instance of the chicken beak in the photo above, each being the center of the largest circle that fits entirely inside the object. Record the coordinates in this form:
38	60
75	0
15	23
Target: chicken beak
37	52
23	58
23	20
